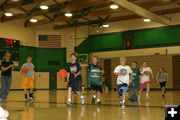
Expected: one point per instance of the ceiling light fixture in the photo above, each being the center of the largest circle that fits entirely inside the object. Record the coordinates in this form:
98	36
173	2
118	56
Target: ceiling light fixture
105	25
114	6
147	20
68	14
44	7
33	20
8	14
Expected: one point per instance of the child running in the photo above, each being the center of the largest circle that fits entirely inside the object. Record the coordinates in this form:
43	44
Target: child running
124	74
135	81
161	79
75	79
145	79
28	81
94	80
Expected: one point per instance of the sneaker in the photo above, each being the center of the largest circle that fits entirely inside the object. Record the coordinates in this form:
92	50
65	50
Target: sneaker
123	104
147	97
99	103
121	101
69	104
93	100
83	100
31	99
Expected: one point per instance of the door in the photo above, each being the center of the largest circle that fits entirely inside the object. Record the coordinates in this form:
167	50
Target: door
53	80
176	69
107	69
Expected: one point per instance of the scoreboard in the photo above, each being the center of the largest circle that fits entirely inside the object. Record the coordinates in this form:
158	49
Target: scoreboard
11	46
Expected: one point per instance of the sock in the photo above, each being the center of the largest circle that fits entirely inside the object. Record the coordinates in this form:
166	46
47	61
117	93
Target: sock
98	100
94	96
147	94
25	96
69	99
123	101
82	96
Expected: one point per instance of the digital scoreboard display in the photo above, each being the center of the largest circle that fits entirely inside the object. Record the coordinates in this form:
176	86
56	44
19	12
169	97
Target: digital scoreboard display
11	46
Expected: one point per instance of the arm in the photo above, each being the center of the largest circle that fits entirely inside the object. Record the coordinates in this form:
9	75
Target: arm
6	68
152	75
84	65
131	77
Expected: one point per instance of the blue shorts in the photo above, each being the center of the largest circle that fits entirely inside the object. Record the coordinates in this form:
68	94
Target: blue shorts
122	88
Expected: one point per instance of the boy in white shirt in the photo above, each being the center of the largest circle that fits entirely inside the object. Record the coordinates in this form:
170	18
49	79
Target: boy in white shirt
124	74
145	79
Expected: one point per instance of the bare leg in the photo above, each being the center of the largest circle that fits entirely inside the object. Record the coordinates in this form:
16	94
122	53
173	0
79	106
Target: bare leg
31	90
148	89
69	94
98	96
25	91
163	90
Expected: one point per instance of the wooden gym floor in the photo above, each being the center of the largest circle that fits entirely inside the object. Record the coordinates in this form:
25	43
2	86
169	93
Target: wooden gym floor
51	105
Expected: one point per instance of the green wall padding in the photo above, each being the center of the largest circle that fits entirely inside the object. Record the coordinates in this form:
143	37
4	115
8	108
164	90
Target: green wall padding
156	38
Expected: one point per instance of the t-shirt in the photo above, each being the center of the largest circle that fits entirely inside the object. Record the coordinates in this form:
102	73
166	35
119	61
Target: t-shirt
124	78
145	77
6	64
74	68
162	77
136	74
30	68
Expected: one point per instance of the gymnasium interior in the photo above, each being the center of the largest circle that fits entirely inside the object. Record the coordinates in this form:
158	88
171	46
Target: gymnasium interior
50	30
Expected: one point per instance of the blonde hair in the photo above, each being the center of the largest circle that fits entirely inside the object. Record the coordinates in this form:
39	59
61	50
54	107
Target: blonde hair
28	57
123	58
6	54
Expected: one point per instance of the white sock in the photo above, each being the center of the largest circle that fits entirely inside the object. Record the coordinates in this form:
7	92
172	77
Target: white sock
82	96
147	94
98	100
69	99
123	101
94	96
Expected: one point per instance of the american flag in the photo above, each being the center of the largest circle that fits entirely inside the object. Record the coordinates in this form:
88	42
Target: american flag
52	41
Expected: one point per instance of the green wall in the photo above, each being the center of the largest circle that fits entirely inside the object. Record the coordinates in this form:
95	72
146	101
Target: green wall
41	56
144	38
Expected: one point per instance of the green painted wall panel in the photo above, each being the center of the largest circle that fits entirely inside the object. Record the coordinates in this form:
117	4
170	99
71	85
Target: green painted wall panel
106	42
153	38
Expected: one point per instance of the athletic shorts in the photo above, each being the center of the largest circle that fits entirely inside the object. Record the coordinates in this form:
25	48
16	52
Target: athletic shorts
27	82
122	88
162	84
96	88
143	84
74	84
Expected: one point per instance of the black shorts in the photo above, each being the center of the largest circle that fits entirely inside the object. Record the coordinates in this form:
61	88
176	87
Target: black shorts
96	88
162	84
74	84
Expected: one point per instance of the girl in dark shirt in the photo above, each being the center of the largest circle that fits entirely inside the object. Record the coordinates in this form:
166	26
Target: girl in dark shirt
75	79
6	67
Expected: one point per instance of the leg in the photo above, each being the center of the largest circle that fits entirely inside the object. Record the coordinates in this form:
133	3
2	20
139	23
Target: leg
2	87
94	96
147	91
69	93
8	84
69	97
99	89
82	97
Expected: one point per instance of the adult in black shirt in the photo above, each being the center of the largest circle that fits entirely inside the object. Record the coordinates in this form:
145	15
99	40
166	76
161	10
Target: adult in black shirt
6	77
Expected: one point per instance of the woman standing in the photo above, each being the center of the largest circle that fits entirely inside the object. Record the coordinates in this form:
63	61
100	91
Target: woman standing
161	78
6	67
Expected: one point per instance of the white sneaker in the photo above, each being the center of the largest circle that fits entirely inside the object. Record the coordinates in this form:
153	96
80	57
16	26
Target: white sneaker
123	104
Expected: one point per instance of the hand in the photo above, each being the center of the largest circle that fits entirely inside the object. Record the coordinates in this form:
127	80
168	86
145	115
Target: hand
75	75
11	65
98	70
130	81
119	73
